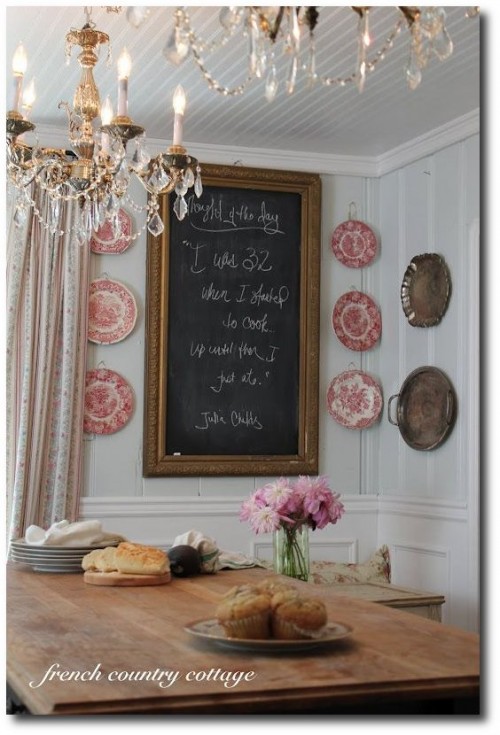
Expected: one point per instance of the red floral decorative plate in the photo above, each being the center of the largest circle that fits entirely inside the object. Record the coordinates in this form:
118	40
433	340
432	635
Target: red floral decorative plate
354	243
112	311
109	402
105	242
354	399
356	321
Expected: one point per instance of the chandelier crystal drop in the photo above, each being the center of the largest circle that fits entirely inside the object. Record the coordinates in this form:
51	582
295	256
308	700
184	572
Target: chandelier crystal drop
292	28
98	168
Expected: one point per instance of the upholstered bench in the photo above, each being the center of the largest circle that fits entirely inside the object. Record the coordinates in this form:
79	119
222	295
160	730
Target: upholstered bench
372	581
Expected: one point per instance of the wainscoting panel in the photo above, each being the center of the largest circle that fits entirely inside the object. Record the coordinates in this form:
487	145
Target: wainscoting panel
341	550
428	567
429	550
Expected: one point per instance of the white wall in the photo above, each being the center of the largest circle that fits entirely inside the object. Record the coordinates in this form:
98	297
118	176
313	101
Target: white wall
423	504
428	510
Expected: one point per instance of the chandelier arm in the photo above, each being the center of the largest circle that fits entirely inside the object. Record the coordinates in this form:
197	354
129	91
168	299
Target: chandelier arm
94	185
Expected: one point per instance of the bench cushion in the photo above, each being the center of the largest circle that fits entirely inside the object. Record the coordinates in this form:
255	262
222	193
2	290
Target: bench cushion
376	569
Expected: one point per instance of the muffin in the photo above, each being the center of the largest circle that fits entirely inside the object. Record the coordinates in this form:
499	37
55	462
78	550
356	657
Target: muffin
272	585
283	596
245	615
299	617
242	589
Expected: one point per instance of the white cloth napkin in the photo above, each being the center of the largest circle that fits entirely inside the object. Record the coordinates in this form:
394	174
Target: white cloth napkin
209	551
64	533
212	558
235	560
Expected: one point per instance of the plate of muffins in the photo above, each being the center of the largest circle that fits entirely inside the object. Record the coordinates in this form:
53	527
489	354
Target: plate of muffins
269	616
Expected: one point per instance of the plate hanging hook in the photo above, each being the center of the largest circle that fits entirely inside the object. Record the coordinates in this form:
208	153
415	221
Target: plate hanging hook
353	213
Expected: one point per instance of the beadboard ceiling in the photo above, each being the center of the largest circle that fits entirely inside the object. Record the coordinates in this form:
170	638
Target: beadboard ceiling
323	120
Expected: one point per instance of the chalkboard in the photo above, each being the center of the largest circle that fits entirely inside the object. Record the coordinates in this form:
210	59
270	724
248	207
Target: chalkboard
232	328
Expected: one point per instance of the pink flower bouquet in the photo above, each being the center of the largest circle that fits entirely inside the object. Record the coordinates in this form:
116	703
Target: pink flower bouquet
291	508
308	501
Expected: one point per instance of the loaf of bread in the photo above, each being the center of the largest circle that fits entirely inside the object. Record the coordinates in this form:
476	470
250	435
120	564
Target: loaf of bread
100	560
127	558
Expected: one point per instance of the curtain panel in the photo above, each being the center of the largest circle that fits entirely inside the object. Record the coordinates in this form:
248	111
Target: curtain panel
47	296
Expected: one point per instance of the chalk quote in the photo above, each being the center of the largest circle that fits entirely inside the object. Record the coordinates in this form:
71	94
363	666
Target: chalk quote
233	323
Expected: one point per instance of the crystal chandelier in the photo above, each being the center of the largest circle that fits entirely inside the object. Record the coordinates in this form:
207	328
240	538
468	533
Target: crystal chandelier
291	28
96	172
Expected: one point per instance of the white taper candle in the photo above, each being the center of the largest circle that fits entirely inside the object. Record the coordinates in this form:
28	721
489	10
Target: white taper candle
124	66
179	103
19	64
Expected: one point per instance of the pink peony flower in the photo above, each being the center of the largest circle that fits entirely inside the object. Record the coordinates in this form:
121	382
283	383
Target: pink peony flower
278	493
265	520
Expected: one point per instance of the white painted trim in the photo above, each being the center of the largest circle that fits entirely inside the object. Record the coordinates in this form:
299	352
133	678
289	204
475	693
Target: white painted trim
423	508
322	163
146	507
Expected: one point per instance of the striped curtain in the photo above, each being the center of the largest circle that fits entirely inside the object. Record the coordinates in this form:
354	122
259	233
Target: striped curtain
47	292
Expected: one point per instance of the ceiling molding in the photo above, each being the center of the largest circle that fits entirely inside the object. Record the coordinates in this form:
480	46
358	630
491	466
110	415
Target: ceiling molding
329	164
425	145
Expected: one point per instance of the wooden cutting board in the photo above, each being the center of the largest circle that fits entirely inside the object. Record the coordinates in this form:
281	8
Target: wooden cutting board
117	579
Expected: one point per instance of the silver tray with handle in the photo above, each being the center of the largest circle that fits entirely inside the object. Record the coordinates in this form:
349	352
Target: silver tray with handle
426	408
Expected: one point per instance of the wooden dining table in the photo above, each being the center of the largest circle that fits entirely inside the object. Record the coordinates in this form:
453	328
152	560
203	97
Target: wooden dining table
77	649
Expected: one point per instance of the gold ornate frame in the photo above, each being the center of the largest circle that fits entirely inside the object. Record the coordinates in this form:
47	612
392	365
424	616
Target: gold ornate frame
156	463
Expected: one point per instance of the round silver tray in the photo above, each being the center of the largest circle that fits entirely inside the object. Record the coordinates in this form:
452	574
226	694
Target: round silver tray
426	408
425	290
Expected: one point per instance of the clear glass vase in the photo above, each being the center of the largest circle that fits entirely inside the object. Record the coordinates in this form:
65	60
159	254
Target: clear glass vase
291	552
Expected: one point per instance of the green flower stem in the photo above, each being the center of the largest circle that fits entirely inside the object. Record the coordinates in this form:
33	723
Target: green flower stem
290	558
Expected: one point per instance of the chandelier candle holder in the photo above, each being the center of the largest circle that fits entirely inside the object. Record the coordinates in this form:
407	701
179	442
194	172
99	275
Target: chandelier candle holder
97	171
16	123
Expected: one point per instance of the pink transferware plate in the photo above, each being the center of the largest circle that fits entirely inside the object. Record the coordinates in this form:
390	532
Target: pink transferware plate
354	243
356	321
106	242
354	399
112	311
109	402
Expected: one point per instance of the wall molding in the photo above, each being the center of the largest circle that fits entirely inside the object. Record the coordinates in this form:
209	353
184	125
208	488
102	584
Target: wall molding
222	507
189	506
322	163
417	507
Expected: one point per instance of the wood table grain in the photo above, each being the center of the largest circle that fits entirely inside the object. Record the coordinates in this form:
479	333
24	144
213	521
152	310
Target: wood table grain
111	650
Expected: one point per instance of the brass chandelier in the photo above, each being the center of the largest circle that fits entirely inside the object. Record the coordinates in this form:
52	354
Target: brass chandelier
97	170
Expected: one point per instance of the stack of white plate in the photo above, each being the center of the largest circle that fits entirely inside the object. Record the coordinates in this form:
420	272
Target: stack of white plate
53	558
